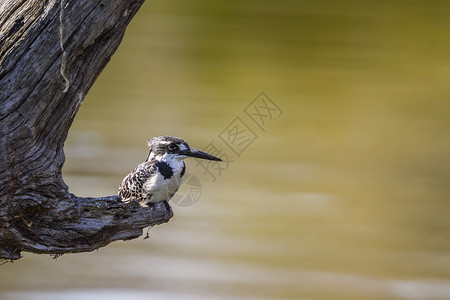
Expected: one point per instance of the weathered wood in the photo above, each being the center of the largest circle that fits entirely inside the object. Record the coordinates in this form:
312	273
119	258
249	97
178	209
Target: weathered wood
51	52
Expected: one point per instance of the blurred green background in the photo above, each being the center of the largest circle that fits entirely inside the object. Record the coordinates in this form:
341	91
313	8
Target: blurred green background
343	196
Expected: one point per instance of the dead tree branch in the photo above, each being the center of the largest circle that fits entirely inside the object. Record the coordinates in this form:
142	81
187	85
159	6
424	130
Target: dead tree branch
51	52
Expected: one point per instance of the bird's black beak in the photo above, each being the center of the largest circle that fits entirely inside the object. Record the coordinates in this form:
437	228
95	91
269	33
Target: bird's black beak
199	154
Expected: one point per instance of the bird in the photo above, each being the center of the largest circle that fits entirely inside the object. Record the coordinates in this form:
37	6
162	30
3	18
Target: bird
158	178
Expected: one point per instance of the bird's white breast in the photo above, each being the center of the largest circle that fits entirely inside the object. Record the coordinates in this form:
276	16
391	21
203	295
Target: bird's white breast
162	188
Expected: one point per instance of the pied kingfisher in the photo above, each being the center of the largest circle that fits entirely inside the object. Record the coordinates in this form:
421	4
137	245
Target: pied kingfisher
159	177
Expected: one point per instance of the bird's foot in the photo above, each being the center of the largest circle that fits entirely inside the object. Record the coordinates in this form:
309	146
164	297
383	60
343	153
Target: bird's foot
151	205
166	203
158	205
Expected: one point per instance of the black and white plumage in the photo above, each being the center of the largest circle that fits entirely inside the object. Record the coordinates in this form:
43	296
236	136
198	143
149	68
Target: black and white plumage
159	177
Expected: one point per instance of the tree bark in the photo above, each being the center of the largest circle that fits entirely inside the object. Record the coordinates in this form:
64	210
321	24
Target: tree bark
51	52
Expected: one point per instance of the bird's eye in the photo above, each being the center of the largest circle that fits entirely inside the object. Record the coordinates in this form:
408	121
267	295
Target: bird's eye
172	147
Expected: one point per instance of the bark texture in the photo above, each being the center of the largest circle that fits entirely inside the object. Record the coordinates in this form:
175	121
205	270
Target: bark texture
51	52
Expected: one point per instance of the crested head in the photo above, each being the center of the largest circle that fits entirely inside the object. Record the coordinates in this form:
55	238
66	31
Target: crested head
169	147
164	140
162	147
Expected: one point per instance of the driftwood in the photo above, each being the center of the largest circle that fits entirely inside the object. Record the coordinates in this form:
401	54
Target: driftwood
51	52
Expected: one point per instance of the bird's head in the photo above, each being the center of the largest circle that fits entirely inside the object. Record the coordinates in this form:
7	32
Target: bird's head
169	147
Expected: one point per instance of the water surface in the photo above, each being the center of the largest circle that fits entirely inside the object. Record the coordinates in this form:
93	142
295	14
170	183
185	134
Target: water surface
345	195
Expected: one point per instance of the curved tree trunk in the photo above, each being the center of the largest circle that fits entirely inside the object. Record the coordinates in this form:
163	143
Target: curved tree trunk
51	52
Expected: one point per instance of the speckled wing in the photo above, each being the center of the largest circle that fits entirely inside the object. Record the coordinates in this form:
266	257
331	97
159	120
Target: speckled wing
132	185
